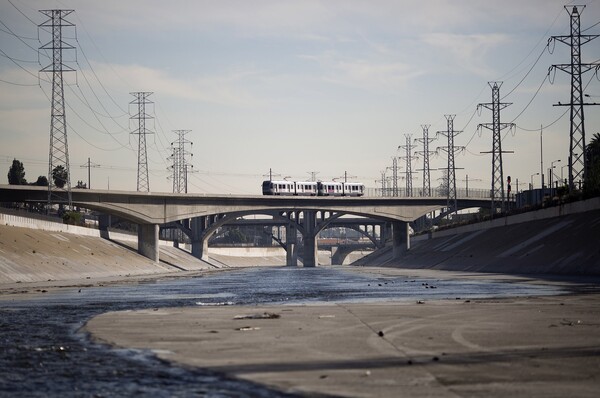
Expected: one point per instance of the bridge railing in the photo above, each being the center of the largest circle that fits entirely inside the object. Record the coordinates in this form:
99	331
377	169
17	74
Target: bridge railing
435	193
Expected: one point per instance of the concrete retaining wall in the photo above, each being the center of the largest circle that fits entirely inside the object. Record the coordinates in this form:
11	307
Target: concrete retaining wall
561	240
551	212
247	251
44	225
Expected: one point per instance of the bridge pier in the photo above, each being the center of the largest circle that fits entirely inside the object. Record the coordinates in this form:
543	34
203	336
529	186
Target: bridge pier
148	241
338	255
309	236
400	238
198	238
291	240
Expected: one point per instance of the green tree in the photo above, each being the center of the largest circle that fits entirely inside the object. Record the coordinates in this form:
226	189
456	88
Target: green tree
42	181
592	185
16	173
60	176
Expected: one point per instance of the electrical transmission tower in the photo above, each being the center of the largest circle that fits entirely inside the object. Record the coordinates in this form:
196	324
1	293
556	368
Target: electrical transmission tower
180	165
497	193
59	173
425	153
451	202
577	147
383	183
394	169
141	100
408	157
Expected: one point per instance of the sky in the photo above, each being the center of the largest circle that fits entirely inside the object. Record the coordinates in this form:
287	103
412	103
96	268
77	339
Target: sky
296	87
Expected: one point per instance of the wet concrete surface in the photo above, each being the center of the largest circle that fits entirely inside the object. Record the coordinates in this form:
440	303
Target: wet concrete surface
43	352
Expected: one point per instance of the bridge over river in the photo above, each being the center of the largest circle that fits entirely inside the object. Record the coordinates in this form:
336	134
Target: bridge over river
199	215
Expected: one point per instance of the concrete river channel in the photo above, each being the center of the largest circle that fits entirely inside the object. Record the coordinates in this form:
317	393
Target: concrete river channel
44	353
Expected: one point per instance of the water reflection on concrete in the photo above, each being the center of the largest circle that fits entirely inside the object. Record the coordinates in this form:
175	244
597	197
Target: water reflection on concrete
43	354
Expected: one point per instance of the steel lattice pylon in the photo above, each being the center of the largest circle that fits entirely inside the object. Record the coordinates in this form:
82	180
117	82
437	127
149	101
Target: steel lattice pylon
141	100
180	163
425	153
497	192
59	174
394	176
577	145
451	202
408	158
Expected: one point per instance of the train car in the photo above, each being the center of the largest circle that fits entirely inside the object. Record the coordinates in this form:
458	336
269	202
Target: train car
330	188
353	189
287	188
306	188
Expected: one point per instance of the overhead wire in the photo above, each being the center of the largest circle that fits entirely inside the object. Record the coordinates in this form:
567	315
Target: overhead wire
22	13
17	36
125	112
544	35
71	128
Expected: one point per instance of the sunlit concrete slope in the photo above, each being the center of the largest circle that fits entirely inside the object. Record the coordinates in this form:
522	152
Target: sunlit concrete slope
567	244
34	255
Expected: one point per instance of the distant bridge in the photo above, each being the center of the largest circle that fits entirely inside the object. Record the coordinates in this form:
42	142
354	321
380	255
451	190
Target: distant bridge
199	215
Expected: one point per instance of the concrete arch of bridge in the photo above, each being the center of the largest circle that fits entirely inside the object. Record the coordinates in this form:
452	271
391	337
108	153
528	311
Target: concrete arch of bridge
201	231
357	229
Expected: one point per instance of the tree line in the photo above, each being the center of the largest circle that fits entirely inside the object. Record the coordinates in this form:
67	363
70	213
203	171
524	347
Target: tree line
16	176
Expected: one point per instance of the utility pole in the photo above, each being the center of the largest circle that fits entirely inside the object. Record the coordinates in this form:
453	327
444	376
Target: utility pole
141	100
451	201
58	158
180	163
408	157
425	153
497	192
577	147
270	175
89	166
313	175
346	176
542	157
466	181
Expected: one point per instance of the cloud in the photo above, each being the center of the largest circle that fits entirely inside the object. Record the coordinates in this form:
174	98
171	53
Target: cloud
224	89
467	51
364	73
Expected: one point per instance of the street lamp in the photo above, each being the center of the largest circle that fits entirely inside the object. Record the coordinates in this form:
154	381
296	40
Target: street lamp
552	167
531	184
562	179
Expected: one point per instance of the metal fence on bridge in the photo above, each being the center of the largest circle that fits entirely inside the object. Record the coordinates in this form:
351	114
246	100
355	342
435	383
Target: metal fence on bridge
461	193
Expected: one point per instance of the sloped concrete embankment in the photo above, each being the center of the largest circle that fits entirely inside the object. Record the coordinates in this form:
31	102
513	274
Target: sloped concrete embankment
554	241
36	251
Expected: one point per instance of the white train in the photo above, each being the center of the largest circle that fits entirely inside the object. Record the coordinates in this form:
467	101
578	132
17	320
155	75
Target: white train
307	188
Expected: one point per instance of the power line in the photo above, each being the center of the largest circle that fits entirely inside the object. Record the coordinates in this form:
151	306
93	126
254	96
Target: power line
125	112
22	13
528	72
